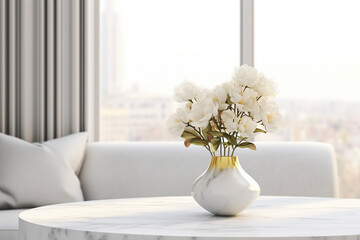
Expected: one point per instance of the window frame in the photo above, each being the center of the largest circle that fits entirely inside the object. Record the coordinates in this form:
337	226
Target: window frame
247	32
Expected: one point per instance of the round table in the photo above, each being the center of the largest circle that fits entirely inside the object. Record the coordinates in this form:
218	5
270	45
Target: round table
180	218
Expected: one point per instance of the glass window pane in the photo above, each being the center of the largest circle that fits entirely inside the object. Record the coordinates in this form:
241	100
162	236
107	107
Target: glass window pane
149	47
311	49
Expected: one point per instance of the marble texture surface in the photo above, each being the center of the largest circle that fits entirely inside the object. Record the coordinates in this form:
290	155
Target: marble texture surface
181	218
225	189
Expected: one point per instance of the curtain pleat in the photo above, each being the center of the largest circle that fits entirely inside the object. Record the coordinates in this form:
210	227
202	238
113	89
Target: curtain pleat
42	48
30	74
12	58
3	57
45	72
58	58
50	70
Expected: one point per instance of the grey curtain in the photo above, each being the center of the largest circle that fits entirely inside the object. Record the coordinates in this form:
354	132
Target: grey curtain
48	68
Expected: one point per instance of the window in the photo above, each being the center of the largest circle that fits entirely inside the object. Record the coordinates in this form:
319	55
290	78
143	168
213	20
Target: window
149	47
311	48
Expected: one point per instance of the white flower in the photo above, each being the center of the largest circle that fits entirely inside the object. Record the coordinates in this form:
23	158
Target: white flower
204	94
270	116
219	96
255	112
245	75
231	121
245	99
185	92
227	86
264	86
177	122
236	95
247	127
202	111
188	106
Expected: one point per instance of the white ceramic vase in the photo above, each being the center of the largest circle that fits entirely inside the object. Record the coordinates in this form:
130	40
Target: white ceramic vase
225	189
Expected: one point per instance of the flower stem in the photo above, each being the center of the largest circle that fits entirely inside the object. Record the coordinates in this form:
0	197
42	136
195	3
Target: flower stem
220	146
232	154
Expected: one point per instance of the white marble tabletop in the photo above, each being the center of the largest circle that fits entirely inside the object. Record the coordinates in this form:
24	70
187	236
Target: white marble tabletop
180	218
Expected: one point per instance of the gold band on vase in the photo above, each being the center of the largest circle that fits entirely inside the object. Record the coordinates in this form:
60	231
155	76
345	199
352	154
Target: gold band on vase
222	163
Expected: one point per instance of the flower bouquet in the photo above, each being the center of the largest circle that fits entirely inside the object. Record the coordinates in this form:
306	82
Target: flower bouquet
229	116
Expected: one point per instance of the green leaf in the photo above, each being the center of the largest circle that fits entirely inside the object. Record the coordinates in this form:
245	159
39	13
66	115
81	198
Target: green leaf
247	145
216	134
230	138
259	130
214	144
190	134
207	129
205	132
198	142
187	143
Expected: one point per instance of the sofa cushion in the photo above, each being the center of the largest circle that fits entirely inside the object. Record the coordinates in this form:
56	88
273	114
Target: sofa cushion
74	145
9	224
33	175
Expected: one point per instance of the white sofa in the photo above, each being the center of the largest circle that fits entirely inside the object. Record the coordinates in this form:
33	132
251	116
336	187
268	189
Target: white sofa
124	170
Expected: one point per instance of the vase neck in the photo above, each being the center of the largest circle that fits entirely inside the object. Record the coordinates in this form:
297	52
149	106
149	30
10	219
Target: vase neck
222	163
